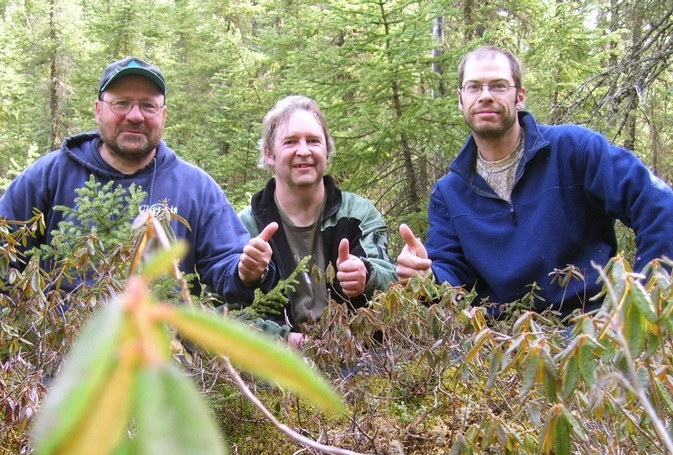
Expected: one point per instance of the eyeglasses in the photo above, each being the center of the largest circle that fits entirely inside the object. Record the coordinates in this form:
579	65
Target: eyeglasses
498	88
124	107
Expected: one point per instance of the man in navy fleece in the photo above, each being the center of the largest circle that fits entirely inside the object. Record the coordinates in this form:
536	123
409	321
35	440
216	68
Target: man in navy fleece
522	200
128	149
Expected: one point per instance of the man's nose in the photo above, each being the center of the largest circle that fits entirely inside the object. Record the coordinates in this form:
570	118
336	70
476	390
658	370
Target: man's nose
135	112
302	146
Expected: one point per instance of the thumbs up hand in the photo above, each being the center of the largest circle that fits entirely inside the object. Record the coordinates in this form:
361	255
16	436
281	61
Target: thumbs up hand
256	256
414	257
351	271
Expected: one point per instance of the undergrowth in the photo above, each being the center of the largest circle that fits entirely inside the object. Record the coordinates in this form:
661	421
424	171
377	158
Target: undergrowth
421	369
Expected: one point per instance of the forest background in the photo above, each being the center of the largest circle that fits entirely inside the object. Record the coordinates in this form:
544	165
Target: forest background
384	73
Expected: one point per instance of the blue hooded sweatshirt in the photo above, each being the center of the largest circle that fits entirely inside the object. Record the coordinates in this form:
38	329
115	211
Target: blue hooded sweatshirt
570	187
216	236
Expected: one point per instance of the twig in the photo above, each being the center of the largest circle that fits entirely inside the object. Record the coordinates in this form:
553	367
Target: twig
281	427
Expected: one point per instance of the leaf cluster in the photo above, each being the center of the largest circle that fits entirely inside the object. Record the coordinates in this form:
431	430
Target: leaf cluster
423	368
118	377
425	371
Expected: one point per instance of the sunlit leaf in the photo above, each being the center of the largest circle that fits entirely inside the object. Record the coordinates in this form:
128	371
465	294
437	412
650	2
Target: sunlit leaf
641	299
162	261
85	370
479	341
546	441
172	417
254	352
513	353
522	323
103	425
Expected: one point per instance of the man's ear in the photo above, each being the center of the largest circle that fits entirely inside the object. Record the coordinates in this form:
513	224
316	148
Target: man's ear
269	156
97	106
521	98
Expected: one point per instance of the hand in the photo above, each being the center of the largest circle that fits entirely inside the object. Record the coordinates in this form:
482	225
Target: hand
414	257
351	271
296	340
256	255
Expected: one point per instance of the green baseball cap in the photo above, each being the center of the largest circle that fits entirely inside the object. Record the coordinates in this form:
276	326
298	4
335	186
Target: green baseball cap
128	66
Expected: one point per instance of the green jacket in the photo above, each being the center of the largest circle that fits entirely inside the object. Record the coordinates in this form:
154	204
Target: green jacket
347	215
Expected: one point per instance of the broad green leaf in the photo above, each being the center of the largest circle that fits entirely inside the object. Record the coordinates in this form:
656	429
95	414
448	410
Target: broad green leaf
84	371
472	435
586	362
588	326
104	423
641	299
635	326
549	364
479	341
523	323
255	353
162	261
529	443
503	436
643	377
667	316
459	447
569	350
488	431
653	340
575	426
571	375
562	443
530	373
618	271
171	416
534	413
494	367
513	353
549	382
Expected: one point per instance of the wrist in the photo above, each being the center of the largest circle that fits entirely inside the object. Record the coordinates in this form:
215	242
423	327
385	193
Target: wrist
261	277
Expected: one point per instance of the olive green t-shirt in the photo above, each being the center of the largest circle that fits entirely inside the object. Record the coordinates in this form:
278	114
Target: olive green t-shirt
310	295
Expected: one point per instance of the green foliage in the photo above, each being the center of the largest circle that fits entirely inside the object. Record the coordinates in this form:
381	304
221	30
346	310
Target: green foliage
387	86
441	376
101	213
95	231
271	304
385	80
120	371
15	167
422	369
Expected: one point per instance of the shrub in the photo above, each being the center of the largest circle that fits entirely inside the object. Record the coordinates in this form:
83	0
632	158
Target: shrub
421	369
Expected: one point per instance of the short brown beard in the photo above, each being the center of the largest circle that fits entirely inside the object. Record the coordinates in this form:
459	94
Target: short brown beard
127	153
